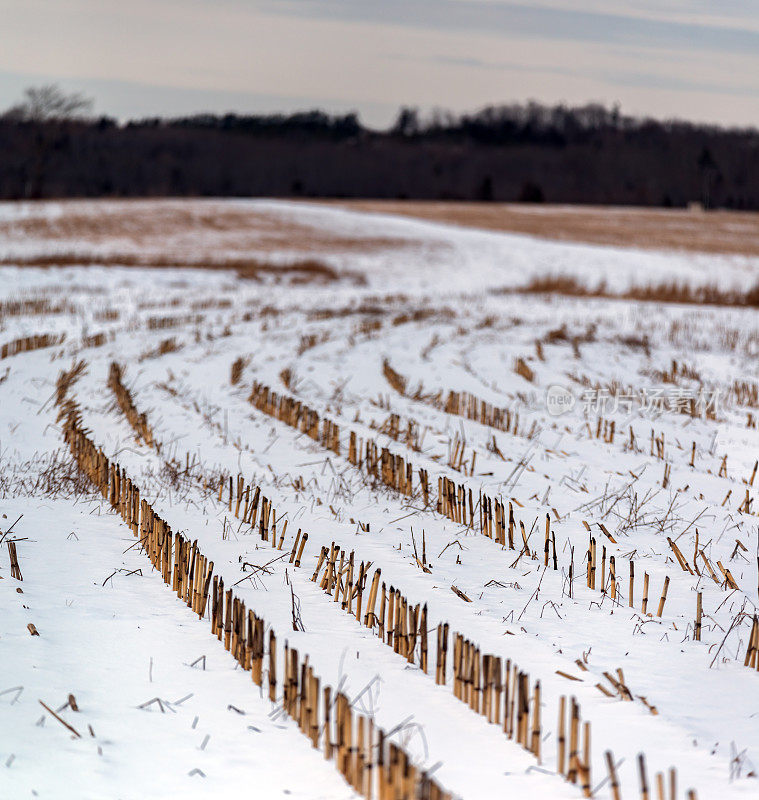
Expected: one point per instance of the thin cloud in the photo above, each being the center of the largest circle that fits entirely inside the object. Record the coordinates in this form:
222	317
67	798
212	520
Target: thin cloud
655	80
516	20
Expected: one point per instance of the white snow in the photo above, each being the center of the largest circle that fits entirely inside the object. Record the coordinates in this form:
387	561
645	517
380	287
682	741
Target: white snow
118	642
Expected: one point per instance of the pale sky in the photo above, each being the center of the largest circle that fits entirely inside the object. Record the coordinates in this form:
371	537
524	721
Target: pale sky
695	59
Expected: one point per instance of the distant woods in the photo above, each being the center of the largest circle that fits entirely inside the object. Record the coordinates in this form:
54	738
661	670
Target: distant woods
50	147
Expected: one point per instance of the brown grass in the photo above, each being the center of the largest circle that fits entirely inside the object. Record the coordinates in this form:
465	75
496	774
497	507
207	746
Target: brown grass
671	292
298	272
238	365
395	379
202	227
169	345
521	368
675	229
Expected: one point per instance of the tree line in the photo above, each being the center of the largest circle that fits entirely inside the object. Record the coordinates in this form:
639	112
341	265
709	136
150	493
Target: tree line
51	146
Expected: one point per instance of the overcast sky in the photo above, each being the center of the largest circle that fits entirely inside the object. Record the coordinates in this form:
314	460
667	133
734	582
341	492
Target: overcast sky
695	59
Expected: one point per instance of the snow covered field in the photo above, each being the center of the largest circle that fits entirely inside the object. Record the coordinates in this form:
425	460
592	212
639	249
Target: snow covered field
391	315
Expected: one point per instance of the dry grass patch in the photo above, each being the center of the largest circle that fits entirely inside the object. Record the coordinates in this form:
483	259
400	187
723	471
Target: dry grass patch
151	228
297	272
665	292
667	229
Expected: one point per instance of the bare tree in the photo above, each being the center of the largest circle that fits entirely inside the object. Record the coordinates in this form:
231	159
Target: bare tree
48	104
47	110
